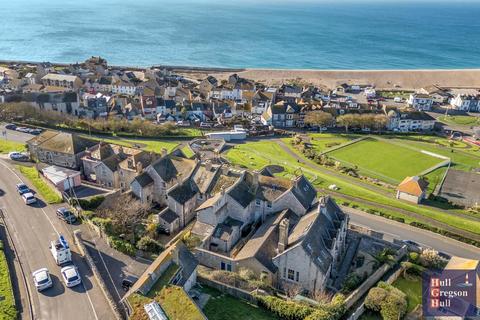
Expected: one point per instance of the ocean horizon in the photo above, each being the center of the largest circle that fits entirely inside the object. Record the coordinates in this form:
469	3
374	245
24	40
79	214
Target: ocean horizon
325	35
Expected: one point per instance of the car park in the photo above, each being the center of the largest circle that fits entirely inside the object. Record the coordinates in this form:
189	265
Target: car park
22	188
66	215
29	198
42	279
71	276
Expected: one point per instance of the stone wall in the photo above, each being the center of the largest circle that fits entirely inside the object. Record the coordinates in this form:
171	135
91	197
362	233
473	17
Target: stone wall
225	288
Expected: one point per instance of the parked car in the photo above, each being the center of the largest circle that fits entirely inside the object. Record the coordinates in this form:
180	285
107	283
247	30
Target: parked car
18	156
128	282
10	126
205	125
29	198
22	188
66	215
22	129
183	123
71	276
36	132
42	279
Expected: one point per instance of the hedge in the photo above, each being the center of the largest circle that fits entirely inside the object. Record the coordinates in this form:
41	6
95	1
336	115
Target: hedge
122	246
445	233
91	204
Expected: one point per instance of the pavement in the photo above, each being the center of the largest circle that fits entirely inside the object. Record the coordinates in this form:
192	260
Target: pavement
393	229
32	228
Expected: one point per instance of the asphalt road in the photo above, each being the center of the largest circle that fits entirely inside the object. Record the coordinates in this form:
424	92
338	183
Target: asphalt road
32	229
393	229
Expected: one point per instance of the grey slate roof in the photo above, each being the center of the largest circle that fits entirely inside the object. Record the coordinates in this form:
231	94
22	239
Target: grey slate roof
315	233
183	192
187	261
168	215
304	192
144	179
242	193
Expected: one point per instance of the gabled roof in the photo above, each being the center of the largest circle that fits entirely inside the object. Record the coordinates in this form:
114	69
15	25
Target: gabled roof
242	193
168	215
61	142
304	191
316	230
183	192
413	185
171	167
144	179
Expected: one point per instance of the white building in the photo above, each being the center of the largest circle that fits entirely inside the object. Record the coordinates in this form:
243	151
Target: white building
410	121
420	101
466	102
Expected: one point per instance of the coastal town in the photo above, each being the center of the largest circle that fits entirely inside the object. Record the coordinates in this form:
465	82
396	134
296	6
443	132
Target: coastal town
181	196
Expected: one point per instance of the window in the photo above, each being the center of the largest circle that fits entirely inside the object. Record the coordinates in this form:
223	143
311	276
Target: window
222	265
269	204
297	276
284	272
291	274
257	203
229	267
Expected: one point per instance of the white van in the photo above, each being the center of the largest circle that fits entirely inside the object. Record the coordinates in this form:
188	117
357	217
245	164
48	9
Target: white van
60	250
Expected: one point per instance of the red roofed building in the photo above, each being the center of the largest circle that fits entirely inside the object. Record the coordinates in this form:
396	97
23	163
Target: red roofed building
412	189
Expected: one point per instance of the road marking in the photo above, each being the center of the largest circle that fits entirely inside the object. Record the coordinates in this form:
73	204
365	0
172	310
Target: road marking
56	231
21	180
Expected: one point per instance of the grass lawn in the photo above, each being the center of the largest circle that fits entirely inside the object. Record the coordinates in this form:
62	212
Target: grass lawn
7	146
461	120
173	300
7	303
383	160
255	155
412	287
45	190
225	307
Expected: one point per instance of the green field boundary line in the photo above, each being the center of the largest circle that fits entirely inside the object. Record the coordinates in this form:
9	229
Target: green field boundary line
439	187
435	167
343	145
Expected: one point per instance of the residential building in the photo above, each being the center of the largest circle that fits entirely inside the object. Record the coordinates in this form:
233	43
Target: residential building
282	115
62	80
412	189
59	148
410	121
420	101
466	102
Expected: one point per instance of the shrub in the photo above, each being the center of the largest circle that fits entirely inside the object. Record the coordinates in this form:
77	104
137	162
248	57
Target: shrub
287	310
246	274
122	246
374	299
105	224
429	258
149	245
393	307
413	257
87	214
352	281
91	204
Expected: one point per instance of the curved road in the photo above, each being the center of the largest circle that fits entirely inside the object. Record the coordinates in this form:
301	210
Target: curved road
397	230
32	228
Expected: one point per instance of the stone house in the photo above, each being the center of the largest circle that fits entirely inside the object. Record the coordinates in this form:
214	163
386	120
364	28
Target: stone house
241	205
282	115
142	187
165	172
59	148
62	80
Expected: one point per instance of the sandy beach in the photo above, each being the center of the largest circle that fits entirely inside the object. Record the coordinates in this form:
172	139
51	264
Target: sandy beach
381	79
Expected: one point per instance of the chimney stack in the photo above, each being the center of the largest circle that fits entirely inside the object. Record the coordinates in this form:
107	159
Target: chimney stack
255	175
164	152
139	167
283	235
208	166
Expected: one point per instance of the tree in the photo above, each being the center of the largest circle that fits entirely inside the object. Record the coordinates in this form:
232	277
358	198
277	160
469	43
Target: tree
347	121
318	118
393	307
429	258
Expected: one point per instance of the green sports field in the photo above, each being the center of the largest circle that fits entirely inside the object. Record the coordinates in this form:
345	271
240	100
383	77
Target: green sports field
383	160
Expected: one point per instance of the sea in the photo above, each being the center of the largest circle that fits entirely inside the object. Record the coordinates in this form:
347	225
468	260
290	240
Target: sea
284	34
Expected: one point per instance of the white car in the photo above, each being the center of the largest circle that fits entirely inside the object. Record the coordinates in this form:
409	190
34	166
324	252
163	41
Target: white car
29	198
71	276
42	279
